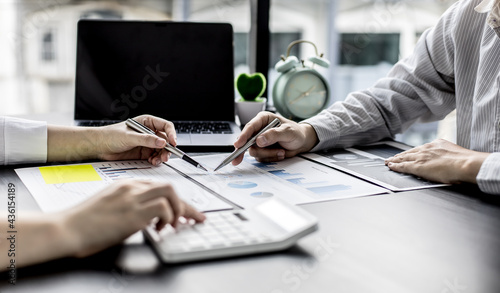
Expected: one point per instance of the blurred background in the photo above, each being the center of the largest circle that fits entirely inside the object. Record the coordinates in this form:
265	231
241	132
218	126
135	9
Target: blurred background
361	38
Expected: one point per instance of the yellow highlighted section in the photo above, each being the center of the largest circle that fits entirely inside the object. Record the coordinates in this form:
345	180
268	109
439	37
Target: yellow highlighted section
68	174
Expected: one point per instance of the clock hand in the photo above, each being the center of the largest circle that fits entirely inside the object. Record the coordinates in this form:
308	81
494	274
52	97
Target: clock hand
304	94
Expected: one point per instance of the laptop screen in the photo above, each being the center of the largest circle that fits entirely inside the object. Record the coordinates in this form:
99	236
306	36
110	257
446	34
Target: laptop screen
174	70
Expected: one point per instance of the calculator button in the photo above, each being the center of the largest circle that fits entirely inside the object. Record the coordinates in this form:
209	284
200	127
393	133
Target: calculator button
196	243
235	238
217	241
207	233
188	234
212	216
216	222
218	245
225	228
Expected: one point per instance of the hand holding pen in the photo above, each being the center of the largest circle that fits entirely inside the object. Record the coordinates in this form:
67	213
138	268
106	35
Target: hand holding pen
249	143
143	129
277	143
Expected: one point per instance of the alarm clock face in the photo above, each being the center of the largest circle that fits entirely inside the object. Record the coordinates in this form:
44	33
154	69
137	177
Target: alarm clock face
305	94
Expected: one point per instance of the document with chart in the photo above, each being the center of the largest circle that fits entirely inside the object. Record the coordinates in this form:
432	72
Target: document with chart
367	162
60	187
295	180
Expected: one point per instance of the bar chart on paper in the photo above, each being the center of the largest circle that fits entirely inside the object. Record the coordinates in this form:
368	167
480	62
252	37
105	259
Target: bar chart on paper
294	180
326	187
60	187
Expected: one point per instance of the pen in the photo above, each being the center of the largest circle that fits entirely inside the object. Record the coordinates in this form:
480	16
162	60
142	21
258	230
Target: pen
144	129
237	152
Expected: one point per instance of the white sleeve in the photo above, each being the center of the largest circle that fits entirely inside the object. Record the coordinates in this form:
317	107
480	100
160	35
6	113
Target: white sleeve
22	141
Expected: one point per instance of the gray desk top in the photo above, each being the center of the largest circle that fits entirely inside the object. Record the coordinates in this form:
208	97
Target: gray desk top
441	240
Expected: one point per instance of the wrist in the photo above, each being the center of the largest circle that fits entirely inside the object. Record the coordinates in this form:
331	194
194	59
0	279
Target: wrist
66	143
470	168
88	144
310	136
67	234
72	231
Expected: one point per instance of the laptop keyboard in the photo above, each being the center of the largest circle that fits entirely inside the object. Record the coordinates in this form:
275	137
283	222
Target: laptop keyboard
202	127
180	126
96	123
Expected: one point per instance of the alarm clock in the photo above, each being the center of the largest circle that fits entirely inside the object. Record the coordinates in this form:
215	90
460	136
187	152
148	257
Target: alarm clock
300	91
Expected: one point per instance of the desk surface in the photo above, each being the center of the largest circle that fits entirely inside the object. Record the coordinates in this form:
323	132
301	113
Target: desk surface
440	240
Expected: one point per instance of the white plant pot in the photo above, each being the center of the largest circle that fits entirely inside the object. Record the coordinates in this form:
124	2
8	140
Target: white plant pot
247	110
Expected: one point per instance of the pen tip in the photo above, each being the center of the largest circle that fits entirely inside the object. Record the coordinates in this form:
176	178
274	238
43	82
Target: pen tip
201	167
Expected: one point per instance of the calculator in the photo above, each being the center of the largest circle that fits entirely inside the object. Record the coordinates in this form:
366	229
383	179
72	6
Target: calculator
270	226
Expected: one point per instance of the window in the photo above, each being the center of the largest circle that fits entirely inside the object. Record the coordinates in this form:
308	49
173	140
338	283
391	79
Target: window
48	46
368	49
279	43
101	14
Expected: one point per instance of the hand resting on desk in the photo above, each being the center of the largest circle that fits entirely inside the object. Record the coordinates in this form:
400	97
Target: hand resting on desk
439	161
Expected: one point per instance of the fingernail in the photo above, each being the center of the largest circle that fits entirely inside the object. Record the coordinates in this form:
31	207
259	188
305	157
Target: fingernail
160	142
390	164
262	141
281	154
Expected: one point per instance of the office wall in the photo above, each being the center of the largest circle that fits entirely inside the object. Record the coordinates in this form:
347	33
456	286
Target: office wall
37	60
40	48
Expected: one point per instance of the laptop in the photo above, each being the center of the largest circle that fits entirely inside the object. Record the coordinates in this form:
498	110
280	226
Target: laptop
180	71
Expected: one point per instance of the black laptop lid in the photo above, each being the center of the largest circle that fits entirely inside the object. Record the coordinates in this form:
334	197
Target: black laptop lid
174	70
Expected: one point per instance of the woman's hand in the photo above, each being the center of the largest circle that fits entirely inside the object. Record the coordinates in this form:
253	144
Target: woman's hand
112	142
121	210
104	220
119	142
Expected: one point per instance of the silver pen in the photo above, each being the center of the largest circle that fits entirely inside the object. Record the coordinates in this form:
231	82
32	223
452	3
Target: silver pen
237	152
144	129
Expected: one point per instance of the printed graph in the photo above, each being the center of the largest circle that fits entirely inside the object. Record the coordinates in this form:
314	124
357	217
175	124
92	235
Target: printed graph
301	179
242	184
114	173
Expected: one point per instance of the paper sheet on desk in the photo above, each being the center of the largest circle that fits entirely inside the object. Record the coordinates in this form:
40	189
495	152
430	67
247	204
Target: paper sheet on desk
294	180
367	162
55	187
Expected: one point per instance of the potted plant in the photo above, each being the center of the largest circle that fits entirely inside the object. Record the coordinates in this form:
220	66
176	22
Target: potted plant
250	87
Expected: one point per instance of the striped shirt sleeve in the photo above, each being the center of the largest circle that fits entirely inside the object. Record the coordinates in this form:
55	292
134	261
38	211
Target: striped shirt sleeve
488	178
418	88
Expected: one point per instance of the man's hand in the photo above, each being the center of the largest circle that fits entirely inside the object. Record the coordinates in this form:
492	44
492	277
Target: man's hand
439	161
118	142
287	140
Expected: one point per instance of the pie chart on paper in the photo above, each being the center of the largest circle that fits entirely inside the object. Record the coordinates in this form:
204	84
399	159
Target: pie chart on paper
262	194
242	184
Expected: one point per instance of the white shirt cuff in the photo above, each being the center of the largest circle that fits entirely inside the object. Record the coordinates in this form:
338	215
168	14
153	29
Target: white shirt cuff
25	141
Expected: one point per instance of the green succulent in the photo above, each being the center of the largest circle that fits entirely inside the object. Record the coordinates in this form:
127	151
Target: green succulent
251	86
